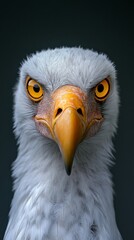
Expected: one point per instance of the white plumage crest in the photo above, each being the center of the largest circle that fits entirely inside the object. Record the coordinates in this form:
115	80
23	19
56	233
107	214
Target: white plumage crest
48	204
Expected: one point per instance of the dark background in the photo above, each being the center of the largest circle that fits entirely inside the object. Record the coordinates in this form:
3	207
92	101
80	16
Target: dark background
105	26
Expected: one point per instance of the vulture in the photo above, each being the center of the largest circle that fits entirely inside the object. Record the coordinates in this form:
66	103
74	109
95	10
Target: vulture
66	105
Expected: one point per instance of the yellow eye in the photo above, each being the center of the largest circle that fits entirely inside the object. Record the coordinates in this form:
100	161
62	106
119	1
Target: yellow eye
102	90
34	89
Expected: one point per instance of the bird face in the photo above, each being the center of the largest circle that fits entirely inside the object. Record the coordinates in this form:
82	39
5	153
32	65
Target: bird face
68	114
72	104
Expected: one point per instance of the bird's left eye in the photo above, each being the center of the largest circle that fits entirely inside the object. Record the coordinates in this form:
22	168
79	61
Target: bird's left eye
34	90
102	90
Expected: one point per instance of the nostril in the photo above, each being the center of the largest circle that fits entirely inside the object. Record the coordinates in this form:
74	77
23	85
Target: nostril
79	110
58	112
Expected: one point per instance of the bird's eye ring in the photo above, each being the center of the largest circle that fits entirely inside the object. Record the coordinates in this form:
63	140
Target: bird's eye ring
34	90
102	90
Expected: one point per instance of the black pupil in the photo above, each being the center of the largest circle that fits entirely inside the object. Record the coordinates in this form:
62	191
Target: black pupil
36	88
100	88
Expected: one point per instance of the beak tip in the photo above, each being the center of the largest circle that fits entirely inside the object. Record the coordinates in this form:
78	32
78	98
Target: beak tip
68	170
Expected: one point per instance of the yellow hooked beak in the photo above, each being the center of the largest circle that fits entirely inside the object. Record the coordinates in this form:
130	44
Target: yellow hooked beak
67	121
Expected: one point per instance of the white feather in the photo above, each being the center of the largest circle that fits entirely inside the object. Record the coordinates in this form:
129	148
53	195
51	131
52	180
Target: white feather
48	204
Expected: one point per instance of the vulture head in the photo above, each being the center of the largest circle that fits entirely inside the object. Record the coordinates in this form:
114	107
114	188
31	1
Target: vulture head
65	115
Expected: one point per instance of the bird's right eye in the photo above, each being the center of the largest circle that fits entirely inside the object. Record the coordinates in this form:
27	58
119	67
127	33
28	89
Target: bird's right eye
34	90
